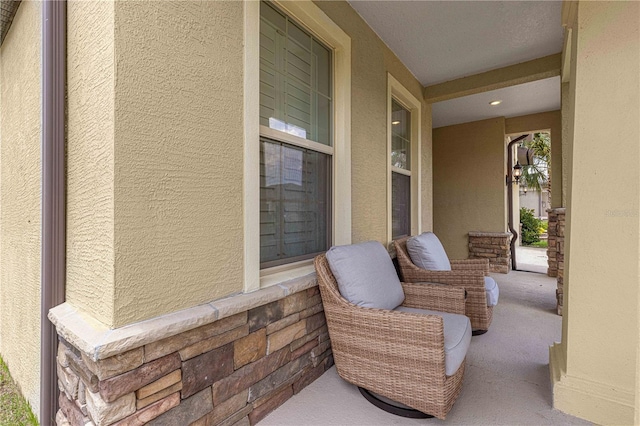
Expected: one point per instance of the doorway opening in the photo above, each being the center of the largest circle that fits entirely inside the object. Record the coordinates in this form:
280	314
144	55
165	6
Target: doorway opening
530	198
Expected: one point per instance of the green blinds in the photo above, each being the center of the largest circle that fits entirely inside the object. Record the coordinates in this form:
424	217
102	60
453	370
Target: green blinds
295	79
294	203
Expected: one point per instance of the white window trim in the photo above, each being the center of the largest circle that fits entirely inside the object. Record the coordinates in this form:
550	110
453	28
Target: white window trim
397	91
320	25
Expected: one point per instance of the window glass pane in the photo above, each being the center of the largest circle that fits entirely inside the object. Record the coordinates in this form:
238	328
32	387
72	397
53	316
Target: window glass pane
295	69
299	35
400	205
322	68
299	63
322	113
294	203
274	17
400	136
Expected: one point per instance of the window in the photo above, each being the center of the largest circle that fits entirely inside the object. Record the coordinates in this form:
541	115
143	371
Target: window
295	109
404	161
295	79
400	171
297	88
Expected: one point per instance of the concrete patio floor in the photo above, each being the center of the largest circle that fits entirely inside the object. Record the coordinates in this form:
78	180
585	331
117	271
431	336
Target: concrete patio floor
532	259
506	381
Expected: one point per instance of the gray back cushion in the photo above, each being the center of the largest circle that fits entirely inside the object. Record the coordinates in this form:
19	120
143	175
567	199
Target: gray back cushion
426	252
365	275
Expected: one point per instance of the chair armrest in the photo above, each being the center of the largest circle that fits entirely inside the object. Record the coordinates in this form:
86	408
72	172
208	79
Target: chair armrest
436	297
403	341
470	265
465	278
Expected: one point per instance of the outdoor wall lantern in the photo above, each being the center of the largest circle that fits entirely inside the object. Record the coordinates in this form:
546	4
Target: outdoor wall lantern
517	172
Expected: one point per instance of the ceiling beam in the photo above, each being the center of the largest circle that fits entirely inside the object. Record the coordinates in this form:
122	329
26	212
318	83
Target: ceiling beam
525	72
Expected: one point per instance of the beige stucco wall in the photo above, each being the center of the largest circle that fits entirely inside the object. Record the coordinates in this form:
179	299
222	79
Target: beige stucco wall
168	176
90	158
371	59
20	172
551	121
469	162
567	139
178	155
600	332
155	157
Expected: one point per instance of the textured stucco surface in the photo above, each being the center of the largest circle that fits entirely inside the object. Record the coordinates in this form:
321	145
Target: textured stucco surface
371	59
169	177
178	149
601	275
469	188
90	158
567	140
20	172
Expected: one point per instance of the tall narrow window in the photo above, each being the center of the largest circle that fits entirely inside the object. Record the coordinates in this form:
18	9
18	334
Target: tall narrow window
400	170
404	112
296	141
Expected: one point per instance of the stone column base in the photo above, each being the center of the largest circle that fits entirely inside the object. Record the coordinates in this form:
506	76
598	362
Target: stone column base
555	252
494	246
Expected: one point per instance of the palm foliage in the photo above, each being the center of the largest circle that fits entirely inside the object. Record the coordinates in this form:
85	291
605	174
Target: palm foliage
538	175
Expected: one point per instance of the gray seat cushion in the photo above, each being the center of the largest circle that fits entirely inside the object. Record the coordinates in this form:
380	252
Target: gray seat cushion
457	336
426	252
365	275
491	287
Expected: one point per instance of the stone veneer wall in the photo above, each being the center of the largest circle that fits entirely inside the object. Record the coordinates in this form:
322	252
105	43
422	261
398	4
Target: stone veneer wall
555	251
233	371
493	246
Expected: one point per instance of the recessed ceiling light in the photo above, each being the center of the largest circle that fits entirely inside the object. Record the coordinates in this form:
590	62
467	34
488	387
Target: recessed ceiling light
395	122
494	103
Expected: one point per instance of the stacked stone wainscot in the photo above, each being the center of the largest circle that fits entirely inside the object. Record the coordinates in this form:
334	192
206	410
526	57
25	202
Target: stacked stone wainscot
494	246
241	361
555	251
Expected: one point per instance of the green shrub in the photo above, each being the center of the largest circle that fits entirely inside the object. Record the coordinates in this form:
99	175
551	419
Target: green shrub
530	226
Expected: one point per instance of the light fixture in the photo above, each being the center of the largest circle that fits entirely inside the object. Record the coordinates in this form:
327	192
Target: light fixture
494	103
395	122
525	189
517	172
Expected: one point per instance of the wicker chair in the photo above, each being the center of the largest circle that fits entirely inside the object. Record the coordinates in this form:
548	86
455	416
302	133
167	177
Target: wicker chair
397	355
466	273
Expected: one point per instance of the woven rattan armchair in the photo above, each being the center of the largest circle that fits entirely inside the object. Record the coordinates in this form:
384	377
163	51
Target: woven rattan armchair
397	355
466	273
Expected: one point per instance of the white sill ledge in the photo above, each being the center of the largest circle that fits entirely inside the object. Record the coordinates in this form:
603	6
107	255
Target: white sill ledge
100	342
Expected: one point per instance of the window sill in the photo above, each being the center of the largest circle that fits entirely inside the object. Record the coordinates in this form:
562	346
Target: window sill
279	274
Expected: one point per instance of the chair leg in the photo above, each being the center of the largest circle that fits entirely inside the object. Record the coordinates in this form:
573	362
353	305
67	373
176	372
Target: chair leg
478	332
403	411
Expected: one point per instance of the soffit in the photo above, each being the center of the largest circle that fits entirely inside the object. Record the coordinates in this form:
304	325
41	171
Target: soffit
524	99
440	41
8	9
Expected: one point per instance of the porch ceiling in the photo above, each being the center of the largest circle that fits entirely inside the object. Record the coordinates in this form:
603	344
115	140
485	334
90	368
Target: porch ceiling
444	40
